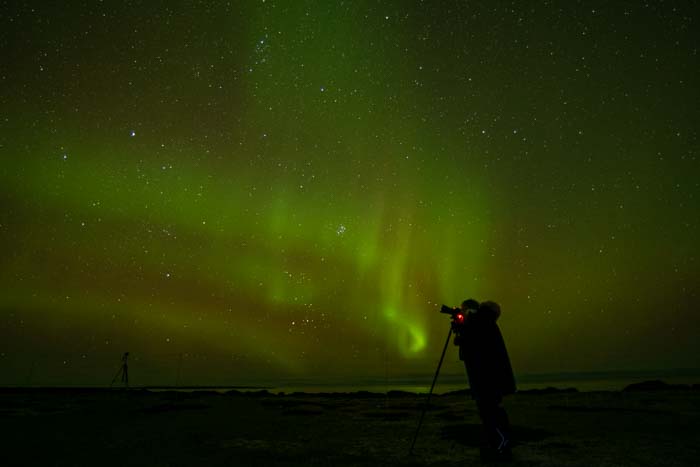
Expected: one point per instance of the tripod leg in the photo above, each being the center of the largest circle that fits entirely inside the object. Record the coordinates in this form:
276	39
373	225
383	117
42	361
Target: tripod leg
432	386
115	377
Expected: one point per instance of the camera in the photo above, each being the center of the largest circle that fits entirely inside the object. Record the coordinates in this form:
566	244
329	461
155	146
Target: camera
456	313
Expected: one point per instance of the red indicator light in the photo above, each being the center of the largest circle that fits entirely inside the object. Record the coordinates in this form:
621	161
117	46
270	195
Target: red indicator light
459	318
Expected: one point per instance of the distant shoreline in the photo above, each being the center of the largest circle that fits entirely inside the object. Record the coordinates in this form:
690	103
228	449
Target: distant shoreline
649	385
583	381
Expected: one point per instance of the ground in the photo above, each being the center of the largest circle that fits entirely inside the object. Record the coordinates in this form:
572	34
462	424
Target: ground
101	427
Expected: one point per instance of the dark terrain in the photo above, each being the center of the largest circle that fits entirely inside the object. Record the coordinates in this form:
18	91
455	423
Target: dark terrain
645	426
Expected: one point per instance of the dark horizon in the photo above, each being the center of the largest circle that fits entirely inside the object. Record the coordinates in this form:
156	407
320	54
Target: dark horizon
587	380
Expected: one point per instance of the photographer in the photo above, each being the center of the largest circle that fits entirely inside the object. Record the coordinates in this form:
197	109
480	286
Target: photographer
485	357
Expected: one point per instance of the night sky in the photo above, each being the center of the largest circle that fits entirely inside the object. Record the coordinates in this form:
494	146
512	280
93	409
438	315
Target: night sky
241	192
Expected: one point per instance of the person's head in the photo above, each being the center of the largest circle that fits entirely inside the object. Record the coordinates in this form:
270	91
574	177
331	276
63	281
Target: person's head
490	309
469	305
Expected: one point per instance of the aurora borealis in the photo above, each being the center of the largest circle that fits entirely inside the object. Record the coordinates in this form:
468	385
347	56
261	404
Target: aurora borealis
281	189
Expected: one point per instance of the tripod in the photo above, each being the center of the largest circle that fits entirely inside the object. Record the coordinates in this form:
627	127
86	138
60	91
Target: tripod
432	386
123	371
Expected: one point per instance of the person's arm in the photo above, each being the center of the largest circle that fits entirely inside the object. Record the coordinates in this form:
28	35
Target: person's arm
459	330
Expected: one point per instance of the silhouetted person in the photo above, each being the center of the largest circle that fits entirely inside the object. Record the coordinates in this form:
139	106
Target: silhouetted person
485	357
123	371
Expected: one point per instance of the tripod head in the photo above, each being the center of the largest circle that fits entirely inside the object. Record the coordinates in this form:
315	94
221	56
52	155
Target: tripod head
458	316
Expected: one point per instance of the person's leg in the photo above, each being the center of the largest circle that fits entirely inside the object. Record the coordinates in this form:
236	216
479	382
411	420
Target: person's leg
496	428
504	434
488	415
503	422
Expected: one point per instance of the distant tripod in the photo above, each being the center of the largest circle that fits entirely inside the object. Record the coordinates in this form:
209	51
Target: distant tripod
123	371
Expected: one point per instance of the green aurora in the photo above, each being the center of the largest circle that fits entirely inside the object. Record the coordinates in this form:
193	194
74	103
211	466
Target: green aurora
278	190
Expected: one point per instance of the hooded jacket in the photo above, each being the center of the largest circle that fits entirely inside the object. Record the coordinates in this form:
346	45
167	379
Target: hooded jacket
483	350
